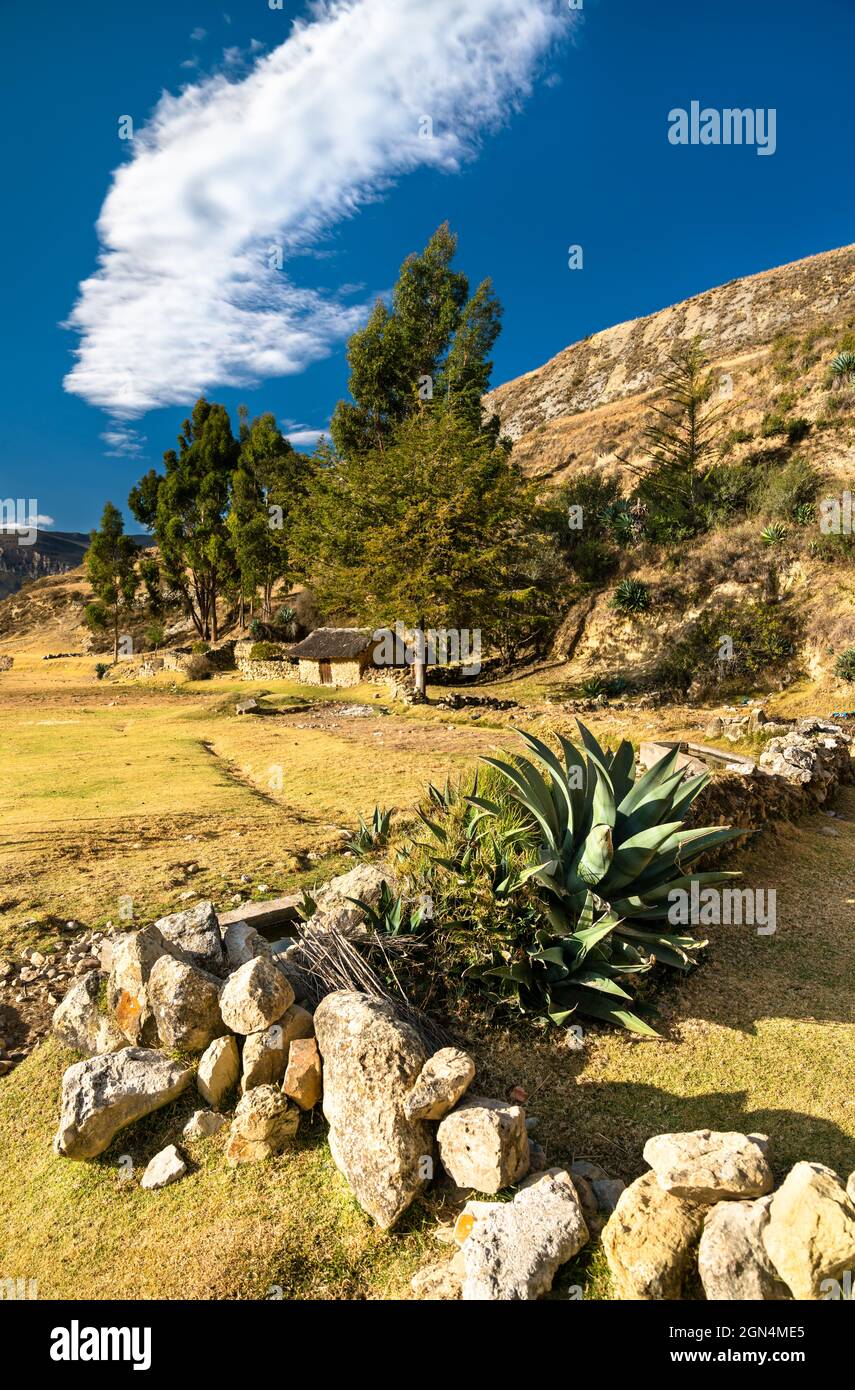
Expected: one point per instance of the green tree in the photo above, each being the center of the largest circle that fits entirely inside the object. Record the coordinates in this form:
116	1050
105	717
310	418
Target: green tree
432	343
436	529
685	440
111	569
186	506
265	487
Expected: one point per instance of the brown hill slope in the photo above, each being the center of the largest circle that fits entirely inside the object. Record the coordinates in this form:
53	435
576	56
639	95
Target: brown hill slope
771	334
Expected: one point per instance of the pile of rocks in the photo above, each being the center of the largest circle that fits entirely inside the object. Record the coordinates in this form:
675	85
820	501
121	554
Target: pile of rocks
815	752
708	1205
735	725
184	986
31	988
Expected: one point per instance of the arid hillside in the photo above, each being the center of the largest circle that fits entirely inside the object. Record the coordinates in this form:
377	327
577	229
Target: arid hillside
770	336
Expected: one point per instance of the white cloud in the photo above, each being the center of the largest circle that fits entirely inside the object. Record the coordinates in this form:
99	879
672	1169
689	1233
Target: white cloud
185	297
198	35
123	442
30	521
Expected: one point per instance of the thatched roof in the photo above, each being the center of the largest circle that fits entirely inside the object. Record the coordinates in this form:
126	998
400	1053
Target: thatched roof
333	644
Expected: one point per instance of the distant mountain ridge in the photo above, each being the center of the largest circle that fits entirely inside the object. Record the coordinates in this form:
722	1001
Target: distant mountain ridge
52	552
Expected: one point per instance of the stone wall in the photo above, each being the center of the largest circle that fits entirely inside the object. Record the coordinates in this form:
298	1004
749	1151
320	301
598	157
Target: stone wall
344	673
266	670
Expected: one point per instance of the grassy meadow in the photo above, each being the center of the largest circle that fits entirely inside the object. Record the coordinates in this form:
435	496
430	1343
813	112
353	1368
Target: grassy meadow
152	791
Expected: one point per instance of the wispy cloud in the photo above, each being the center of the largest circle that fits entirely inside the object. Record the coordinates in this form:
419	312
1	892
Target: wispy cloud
232	178
123	442
300	434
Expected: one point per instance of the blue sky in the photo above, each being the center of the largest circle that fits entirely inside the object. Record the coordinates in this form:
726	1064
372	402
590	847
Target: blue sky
570	146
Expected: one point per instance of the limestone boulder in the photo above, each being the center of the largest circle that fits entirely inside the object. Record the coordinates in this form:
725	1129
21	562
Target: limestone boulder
483	1144
165	1168
706	1165
370	1063
441	1082
810	1234
254	996
333	908
80	1022
649	1241
203	1124
515	1250
196	933
185	1002
134	956
219	1069
241	943
265	1057
264	1123
302	1081
103	1094
732	1258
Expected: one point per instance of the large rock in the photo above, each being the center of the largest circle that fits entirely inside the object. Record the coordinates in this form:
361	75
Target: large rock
135	955
483	1144
704	1165
219	1068
254	996
332	906
165	1168
514	1251
79	1022
732	1258
303	1074
103	1094
441	1082
263	1124
649	1241
196	933
810	1234
265	1054
185	1002
241	943
371	1061
815	753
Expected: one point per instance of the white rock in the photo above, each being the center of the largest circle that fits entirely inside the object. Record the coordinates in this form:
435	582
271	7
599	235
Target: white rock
515	1250
103	1094
185	1002
241	943
165	1168
441	1082
79	1022
202	1124
196	932
219	1068
710	1166
732	1258
254	996
483	1144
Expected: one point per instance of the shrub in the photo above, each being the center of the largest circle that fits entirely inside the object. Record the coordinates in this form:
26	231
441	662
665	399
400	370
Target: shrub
95	616
781	491
763	639
844	666
200	648
155	633
266	651
101	669
554	876
631	596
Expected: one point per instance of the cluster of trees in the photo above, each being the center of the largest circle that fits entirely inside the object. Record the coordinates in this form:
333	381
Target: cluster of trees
415	512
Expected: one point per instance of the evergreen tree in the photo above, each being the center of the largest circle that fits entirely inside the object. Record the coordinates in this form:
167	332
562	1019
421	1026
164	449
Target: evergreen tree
433	343
111	569
265	487
685	440
437	529
186	507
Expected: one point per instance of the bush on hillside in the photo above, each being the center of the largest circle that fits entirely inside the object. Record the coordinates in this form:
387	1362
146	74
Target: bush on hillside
762	638
844	666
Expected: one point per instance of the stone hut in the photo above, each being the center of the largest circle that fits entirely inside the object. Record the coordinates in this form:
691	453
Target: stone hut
334	656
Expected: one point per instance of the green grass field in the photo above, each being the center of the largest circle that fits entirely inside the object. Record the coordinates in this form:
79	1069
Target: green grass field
151	791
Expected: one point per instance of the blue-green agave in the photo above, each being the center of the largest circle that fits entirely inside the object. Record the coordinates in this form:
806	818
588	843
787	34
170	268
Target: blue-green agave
611	848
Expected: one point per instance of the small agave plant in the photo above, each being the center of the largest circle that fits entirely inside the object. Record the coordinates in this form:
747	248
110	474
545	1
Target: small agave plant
610	850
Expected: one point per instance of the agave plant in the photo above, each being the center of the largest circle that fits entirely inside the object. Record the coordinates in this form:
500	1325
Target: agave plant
631	596
843	367
610	850
371	835
774	533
